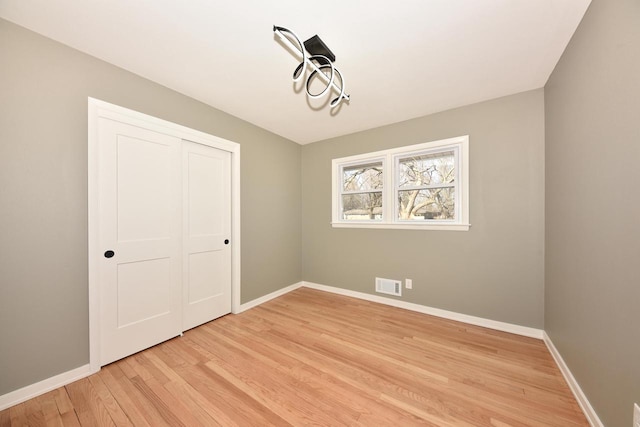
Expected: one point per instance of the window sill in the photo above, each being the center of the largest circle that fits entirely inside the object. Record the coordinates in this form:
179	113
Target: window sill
408	226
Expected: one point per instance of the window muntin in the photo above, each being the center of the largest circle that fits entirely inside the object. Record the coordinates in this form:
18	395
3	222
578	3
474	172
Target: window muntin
423	186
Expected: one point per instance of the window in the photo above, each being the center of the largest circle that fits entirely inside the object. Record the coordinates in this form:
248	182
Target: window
424	186
361	194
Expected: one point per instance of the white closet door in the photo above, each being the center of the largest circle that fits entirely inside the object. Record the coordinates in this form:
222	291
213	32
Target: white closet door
206	181
140	222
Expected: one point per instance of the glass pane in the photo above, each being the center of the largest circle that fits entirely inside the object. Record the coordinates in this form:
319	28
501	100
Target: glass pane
364	206
429	169
362	177
434	204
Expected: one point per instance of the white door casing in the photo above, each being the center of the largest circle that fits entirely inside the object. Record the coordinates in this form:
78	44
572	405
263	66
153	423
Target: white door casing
206	250
152	139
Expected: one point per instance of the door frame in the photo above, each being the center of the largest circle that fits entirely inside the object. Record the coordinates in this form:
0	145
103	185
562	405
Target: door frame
100	109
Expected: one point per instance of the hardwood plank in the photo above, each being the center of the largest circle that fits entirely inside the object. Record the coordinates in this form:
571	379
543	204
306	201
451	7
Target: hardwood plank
314	358
33	411
52	417
5	418
65	408
171	415
125	401
116	413
134	403
178	388
62	400
18	415
87	405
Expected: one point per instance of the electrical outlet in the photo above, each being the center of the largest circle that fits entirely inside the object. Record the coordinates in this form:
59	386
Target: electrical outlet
408	283
636	415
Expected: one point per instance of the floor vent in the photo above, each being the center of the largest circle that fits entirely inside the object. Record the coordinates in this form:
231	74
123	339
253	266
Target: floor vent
388	286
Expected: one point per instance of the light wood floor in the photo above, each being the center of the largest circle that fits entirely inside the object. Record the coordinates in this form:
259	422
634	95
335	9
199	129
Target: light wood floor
312	358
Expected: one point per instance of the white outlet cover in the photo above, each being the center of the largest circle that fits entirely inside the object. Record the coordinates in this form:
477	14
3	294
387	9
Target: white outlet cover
636	415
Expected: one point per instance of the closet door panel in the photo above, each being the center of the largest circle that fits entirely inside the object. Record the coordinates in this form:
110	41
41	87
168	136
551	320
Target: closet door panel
206	181
140	229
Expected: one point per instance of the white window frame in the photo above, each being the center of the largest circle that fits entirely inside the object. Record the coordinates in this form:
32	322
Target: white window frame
390	163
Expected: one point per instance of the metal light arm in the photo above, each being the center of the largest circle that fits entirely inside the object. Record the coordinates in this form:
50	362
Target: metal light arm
316	63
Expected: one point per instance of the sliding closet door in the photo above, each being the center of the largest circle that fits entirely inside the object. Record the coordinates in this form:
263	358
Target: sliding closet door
140	233
206	185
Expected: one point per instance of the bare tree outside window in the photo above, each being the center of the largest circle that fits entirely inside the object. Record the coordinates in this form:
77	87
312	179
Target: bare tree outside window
426	187
362	192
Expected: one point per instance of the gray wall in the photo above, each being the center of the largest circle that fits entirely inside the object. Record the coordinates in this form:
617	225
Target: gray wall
495	270
592	301
43	197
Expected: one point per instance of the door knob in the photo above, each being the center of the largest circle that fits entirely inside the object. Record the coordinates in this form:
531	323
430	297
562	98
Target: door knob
109	254
226	241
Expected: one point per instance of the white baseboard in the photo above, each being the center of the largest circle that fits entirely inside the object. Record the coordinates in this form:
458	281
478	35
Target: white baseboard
256	302
588	410
581	398
39	388
451	315
33	390
44	386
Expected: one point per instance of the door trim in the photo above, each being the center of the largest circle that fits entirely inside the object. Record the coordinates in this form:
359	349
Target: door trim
99	109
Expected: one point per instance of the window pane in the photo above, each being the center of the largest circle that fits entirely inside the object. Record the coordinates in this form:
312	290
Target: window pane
364	206
434	204
430	169
362	177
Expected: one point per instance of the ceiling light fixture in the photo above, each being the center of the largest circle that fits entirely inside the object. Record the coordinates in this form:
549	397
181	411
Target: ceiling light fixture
316	57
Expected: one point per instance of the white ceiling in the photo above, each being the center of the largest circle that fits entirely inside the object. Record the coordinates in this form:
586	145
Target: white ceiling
400	60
